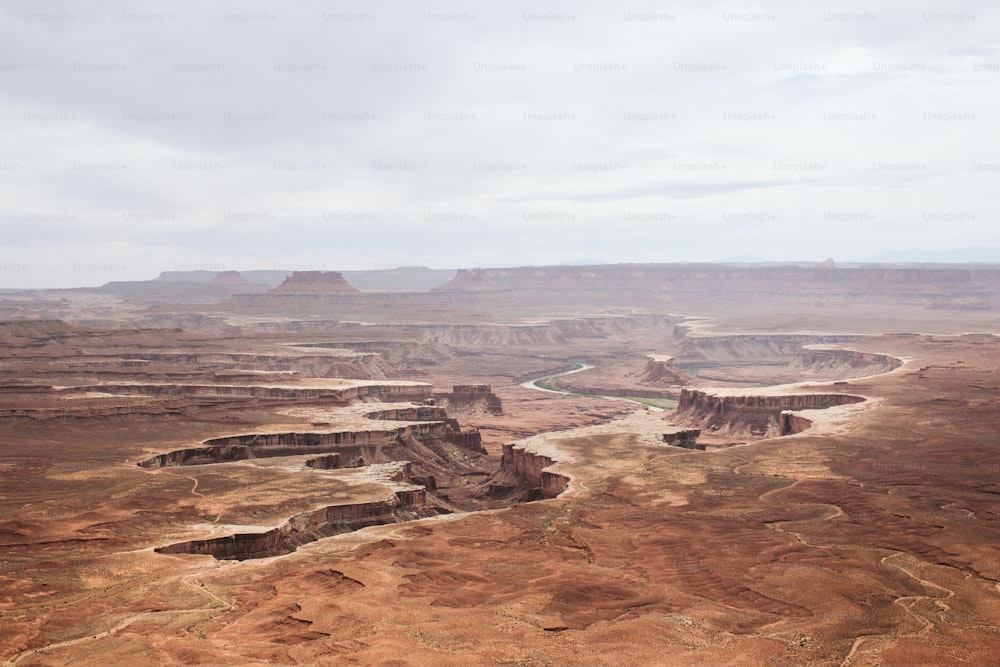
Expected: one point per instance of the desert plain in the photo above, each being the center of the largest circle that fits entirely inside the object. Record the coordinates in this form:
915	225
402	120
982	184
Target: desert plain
611	465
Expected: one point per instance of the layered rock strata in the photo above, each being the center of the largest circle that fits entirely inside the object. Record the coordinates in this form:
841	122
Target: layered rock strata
746	414
310	526
686	438
532	468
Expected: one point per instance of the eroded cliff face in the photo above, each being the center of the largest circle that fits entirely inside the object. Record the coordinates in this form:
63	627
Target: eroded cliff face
661	371
326	462
408	355
349	364
413	413
791	423
531	467
743	347
470	399
310	526
843	364
685	438
361	446
745	415
387	393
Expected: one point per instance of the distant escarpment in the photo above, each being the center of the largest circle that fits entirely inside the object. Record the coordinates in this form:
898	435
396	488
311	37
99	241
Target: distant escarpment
339	395
346	364
745	415
685	278
709	289
315	282
230	278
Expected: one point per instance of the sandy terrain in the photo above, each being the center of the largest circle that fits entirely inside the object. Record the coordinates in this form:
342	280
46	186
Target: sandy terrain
865	535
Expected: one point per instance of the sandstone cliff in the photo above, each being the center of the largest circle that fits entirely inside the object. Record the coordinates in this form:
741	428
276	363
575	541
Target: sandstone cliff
531	467
308	527
660	371
466	399
746	415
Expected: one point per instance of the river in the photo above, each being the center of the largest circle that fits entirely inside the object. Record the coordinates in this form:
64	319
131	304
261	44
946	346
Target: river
534	384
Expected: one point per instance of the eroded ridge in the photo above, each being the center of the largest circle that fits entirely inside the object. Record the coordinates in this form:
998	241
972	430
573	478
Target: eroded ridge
742	414
311	526
321	390
372	446
526	466
357	445
428	442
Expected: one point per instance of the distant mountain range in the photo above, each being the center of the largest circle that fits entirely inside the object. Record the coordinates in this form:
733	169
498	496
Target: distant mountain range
953	256
400	279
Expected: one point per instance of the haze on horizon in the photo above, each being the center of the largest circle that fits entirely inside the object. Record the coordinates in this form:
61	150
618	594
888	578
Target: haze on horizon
143	137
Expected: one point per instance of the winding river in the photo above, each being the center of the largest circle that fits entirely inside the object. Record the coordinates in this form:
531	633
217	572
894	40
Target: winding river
538	382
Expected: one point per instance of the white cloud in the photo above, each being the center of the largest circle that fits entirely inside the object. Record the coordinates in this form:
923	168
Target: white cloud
478	133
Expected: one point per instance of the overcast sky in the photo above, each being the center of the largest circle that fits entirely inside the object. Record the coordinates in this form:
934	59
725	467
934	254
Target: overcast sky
138	137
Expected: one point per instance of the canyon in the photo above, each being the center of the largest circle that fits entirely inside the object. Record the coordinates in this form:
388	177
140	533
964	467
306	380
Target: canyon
748	465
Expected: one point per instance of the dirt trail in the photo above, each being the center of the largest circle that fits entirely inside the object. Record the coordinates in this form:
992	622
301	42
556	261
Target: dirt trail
221	606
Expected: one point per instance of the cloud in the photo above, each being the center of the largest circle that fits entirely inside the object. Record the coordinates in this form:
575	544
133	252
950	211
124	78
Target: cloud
487	133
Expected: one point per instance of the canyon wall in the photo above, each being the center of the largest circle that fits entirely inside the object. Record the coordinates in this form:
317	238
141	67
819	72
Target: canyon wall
358	446
469	438
791	423
747	415
413	414
359	365
465	398
743	347
308	527
686	438
326	462
388	393
843	364
531	467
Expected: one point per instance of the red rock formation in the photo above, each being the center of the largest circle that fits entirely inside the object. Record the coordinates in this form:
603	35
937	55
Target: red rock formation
308	527
685	438
469	438
326	462
386	392
710	277
418	413
471	397
531	467
747	415
845	363
791	423
315	282
660	370
759	347
367	446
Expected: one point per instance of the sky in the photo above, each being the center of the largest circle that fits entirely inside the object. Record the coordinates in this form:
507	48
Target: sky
140	137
